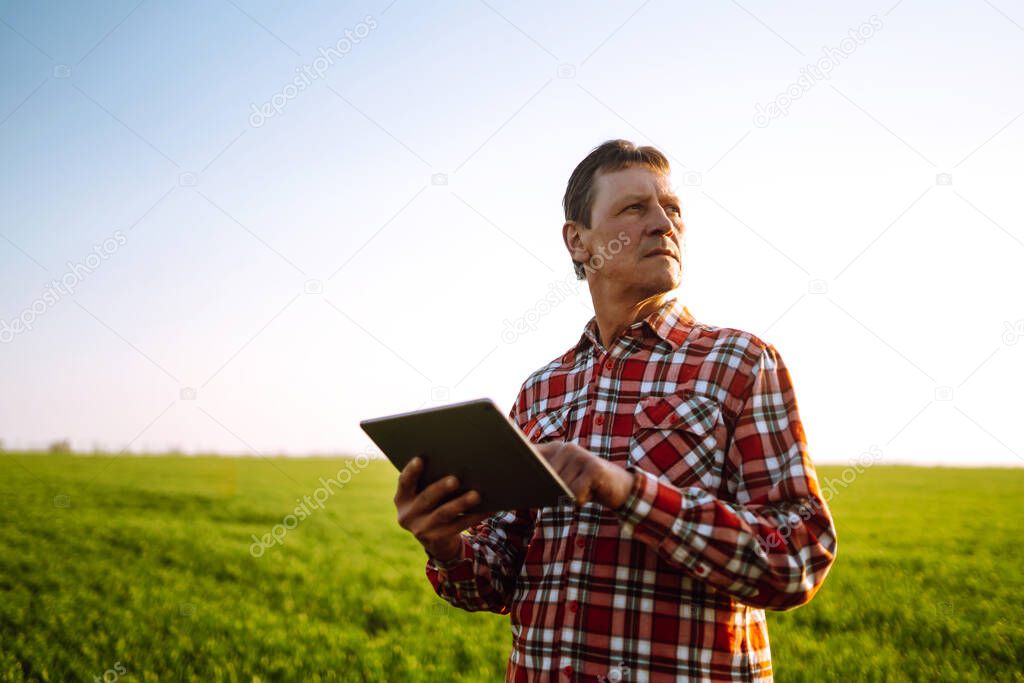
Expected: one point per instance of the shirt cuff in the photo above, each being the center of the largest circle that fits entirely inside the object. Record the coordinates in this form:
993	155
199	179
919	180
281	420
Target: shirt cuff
456	565
664	516
641	497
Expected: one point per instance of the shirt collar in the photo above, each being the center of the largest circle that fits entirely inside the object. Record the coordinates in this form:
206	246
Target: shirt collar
672	322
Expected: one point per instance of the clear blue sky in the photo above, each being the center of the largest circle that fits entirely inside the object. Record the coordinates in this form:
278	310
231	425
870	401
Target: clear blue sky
310	270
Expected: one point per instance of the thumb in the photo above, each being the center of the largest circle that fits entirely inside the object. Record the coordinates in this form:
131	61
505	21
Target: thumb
548	449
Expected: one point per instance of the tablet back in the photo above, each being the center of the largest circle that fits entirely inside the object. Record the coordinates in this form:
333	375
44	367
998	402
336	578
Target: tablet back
476	442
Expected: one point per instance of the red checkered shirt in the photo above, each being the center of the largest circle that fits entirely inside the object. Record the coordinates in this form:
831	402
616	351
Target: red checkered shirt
725	518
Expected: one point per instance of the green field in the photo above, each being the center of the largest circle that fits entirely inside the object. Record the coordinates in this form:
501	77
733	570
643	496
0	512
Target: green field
144	563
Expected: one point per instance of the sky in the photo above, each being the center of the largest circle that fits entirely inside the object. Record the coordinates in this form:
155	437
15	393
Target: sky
241	227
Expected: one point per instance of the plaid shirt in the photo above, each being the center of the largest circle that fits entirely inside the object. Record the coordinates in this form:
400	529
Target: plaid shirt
725	518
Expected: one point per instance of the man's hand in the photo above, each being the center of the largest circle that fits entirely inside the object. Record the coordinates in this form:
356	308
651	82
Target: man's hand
590	477
435	526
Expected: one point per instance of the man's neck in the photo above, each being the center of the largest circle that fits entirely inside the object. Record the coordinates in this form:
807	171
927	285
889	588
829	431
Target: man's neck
614	315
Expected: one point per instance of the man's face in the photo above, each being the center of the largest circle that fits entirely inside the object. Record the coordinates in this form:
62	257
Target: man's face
634	243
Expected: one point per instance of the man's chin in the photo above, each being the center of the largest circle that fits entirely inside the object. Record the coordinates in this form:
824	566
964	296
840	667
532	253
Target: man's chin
661	283
667	277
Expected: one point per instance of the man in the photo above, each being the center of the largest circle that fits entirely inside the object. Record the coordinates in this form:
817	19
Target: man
696	503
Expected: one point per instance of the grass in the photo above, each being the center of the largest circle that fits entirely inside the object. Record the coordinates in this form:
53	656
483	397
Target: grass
144	563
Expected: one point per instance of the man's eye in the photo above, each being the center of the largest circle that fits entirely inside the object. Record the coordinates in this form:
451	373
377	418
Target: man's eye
635	206
675	208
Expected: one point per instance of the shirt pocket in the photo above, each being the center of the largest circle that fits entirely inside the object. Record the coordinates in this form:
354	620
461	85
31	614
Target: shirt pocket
549	426
674	438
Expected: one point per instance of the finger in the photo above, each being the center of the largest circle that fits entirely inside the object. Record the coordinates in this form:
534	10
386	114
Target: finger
570	480
430	497
461	523
562	457
451	509
565	461
407	479
575	473
547	449
581	486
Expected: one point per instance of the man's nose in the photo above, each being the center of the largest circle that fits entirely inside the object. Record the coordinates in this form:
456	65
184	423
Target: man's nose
661	223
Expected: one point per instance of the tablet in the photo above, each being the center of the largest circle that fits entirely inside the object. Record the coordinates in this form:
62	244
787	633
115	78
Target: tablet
479	444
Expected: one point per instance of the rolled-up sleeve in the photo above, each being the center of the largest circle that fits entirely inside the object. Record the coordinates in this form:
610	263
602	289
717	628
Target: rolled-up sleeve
772	544
483	576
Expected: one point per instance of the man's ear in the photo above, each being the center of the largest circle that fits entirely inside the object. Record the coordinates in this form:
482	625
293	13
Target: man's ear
574	242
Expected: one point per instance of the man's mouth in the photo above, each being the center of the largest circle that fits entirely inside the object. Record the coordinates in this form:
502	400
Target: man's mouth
663	252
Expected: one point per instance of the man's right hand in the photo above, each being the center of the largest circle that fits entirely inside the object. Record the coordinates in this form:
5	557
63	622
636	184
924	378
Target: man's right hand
434	525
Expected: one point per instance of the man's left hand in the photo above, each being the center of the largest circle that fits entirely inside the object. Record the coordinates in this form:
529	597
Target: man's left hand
589	477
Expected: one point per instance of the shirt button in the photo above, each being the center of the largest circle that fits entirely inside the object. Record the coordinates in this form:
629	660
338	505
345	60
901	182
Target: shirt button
567	670
608	365
580	542
573	606
701	570
599	420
